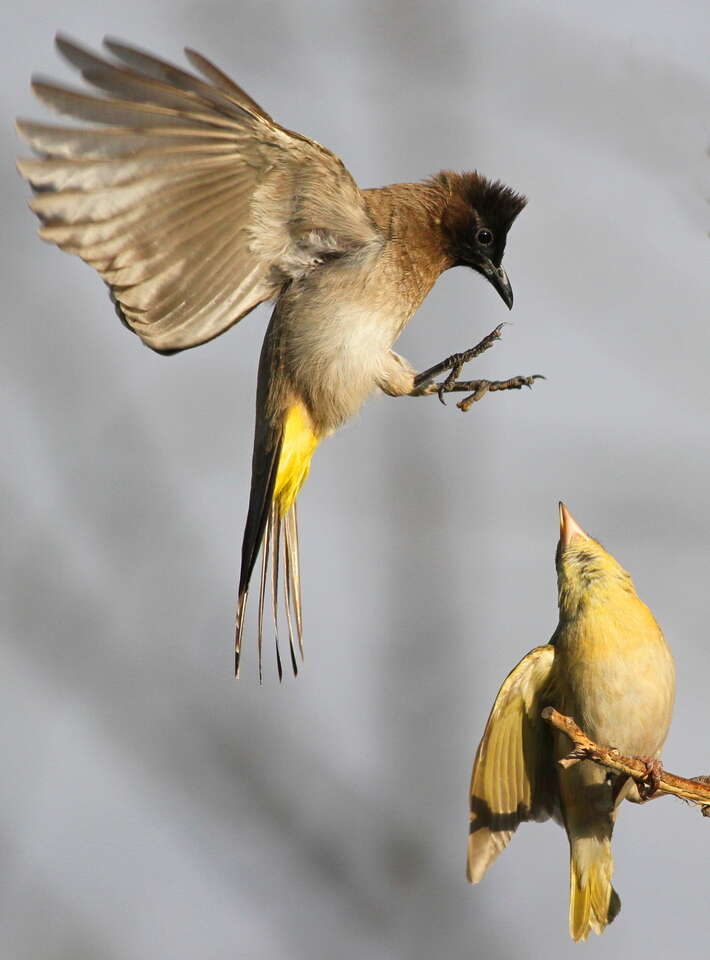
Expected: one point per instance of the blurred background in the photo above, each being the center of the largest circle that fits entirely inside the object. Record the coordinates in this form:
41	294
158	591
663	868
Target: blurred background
152	806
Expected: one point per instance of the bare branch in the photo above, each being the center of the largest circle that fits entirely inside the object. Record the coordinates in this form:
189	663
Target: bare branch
695	791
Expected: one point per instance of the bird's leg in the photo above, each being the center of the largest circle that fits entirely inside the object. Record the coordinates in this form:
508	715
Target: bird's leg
424	384
622	787
648	787
454	364
479	388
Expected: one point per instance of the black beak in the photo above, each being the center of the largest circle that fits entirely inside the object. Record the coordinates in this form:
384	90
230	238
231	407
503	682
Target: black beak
499	279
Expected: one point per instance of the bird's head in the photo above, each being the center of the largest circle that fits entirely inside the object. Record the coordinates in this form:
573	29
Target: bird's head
475	224
586	574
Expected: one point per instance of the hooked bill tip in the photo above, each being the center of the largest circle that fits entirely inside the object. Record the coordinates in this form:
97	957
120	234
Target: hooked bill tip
569	528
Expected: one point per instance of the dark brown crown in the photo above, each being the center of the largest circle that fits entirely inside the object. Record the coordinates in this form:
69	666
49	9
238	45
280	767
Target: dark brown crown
494	201
472	201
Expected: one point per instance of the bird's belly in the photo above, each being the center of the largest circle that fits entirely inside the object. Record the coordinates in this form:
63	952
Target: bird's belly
338	357
622	697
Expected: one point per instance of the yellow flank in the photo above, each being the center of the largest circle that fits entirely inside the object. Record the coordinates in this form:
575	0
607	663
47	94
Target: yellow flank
299	444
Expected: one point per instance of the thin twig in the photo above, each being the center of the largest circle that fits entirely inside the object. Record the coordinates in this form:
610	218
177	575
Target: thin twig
695	791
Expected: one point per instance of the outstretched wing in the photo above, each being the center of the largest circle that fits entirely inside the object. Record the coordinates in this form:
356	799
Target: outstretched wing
513	777
192	204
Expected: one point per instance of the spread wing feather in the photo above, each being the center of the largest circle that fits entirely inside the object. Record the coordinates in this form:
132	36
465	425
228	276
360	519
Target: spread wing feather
190	202
513	777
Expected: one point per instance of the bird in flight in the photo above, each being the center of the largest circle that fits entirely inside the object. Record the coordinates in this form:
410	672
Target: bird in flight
194	206
609	667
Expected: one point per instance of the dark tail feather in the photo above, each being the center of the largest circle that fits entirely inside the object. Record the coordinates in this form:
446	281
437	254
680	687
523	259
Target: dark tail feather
281	541
293	575
288	601
264	469
241	609
262	592
279	538
275	532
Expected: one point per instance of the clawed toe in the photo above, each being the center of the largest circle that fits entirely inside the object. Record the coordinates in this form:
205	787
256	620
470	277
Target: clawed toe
424	383
454	364
480	388
649	786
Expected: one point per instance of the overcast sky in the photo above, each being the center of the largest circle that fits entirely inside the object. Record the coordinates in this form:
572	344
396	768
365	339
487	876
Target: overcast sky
154	808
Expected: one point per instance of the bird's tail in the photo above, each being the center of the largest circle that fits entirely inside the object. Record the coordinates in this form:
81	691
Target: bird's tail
281	544
272	524
593	902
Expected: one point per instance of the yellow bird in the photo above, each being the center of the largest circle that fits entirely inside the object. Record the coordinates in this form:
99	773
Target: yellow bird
608	666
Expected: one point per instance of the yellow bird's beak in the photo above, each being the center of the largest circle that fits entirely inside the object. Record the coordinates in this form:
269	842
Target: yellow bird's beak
569	528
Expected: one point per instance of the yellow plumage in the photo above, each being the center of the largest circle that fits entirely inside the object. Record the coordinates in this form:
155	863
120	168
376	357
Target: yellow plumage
609	667
277	525
298	446
593	902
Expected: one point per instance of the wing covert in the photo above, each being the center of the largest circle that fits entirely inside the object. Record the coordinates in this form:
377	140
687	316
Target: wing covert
189	201
513	777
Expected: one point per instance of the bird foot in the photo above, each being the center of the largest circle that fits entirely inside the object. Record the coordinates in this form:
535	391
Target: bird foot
454	364
649	786
425	385
480	388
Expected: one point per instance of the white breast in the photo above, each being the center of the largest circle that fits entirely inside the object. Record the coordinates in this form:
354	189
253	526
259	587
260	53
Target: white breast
337	348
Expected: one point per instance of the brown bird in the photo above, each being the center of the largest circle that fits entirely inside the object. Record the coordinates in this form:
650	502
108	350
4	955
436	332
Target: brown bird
608	666
195	206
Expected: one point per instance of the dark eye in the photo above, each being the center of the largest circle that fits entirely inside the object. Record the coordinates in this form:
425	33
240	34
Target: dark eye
484	237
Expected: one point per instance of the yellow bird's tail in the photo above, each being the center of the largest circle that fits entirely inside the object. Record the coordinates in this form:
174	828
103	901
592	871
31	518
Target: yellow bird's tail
593	902
282	457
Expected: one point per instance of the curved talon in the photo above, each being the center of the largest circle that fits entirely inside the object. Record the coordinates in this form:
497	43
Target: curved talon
454	364
652	782
528	381
424	383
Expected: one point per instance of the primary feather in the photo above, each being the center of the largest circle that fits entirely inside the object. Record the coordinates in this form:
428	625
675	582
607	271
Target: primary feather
194	206
191	203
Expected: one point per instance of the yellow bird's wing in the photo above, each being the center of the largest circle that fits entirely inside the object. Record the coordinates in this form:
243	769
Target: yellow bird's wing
513	777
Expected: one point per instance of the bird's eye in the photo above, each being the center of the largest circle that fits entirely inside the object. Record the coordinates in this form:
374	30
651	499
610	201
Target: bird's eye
484	237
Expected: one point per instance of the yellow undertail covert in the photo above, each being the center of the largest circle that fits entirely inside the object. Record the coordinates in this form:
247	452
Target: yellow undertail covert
298	446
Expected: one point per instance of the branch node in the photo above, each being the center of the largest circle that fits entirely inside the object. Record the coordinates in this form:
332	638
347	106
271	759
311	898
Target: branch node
568	761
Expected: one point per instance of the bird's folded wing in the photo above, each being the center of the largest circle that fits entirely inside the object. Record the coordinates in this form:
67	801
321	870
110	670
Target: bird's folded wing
192	204
513	775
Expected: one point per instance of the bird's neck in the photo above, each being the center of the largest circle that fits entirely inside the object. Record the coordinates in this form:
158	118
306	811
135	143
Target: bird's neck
409	216
608	599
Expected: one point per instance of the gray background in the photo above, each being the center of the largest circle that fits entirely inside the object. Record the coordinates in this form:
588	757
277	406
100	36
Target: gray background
151	806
